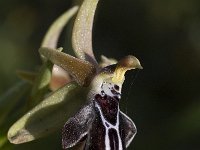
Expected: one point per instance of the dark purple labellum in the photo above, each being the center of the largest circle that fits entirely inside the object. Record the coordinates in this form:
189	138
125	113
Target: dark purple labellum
100	123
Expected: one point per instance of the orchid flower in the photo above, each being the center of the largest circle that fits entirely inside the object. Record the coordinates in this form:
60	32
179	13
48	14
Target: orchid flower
77	83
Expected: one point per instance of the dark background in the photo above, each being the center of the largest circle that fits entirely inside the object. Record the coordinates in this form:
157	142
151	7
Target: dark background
163	99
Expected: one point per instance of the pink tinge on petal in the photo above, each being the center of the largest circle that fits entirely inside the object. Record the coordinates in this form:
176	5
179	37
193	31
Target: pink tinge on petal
59	78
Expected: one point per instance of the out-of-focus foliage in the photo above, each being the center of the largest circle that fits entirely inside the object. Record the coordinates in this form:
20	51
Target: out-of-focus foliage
165	35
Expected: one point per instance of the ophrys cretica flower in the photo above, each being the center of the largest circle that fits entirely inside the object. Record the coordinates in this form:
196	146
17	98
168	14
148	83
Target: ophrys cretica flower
99	123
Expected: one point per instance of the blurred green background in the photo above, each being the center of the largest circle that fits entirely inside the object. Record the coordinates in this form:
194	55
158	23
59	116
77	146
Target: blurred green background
164	100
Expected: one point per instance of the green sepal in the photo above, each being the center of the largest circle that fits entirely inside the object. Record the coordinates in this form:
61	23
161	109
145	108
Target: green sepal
48	116
82	31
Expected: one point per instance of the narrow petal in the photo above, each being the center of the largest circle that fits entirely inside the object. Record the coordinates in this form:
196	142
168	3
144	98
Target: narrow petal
82	31
82	71
49	115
